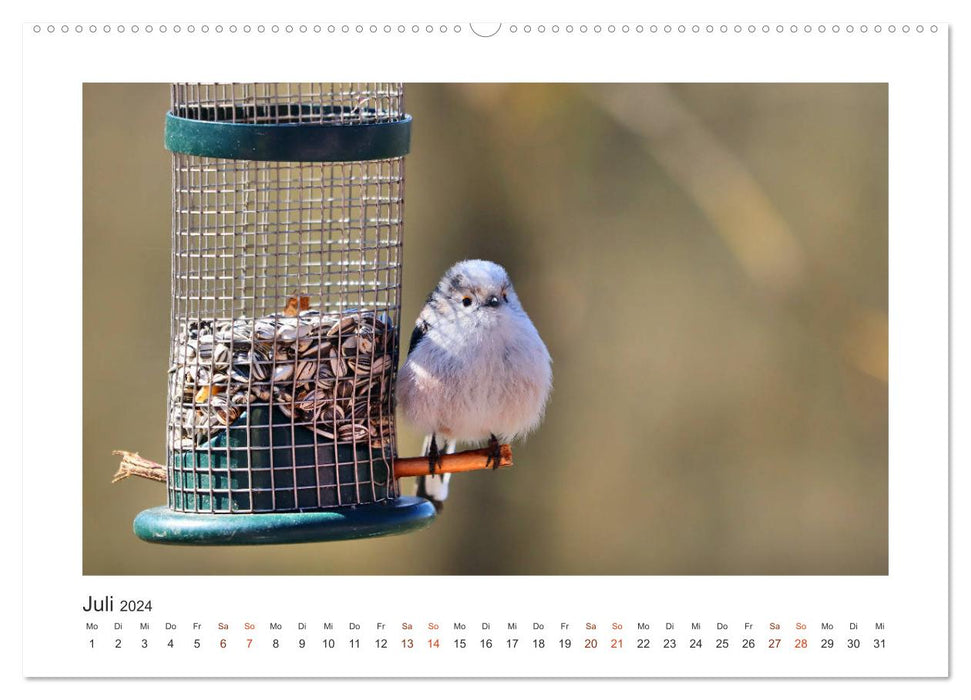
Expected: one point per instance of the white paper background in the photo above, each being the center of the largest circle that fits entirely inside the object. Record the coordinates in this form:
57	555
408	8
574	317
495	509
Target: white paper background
912	600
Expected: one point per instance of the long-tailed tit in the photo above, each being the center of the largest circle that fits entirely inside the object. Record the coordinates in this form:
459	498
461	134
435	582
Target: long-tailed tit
476	368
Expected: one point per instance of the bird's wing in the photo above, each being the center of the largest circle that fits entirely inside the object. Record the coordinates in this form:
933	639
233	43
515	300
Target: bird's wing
421	328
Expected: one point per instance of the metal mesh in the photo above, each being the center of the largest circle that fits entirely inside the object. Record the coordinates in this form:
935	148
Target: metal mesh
286	103
285	314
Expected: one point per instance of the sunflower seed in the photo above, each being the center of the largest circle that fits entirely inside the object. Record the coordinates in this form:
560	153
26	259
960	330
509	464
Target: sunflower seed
260	365
226	414
380	364
315	348
306	370
282	373
352	432
309	402
320	430
337	364
264	330
240	373
220	356
343	327
330	413
360	410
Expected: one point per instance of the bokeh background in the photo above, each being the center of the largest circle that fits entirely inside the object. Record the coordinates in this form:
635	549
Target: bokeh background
707	264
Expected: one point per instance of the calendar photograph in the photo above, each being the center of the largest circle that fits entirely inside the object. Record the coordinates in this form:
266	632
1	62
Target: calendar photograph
607	329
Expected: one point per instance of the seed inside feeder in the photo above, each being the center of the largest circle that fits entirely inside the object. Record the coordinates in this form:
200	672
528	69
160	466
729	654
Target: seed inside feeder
327	374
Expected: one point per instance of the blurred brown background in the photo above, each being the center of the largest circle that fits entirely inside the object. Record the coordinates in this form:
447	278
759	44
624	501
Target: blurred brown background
707	264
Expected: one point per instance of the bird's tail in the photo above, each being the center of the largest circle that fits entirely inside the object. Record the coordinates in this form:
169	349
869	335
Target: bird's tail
434	487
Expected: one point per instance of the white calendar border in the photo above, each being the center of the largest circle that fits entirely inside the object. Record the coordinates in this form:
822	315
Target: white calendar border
917	184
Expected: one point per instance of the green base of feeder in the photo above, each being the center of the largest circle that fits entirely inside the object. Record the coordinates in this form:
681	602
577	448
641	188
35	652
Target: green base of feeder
165	526
264	463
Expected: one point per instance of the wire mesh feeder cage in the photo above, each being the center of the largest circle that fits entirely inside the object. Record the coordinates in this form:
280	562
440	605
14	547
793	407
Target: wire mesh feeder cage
286	272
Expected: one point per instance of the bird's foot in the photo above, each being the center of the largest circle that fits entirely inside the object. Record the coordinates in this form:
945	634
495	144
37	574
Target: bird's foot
434	458
495	453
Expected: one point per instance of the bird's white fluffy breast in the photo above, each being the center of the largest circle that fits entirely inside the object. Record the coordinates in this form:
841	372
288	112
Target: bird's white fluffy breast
468	383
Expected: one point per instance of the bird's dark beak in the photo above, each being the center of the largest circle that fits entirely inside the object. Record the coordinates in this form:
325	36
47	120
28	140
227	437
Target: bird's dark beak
492	301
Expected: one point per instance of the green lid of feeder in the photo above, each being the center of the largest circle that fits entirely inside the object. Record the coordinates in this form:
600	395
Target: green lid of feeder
279	133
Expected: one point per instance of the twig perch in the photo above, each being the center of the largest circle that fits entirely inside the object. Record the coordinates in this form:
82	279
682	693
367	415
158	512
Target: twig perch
467	461
133	464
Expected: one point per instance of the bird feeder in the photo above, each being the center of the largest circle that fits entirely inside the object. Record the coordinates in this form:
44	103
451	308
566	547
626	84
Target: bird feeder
287	208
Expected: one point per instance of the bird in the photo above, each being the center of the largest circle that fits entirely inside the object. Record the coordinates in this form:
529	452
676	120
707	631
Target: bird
476	369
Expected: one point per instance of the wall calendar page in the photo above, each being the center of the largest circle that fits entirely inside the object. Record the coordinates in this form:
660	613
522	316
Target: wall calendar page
573	350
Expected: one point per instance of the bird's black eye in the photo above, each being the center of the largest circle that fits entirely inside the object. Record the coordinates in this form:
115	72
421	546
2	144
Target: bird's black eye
466	301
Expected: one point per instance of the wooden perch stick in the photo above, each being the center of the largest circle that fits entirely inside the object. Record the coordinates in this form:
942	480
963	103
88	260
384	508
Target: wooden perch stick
133	464
467	461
